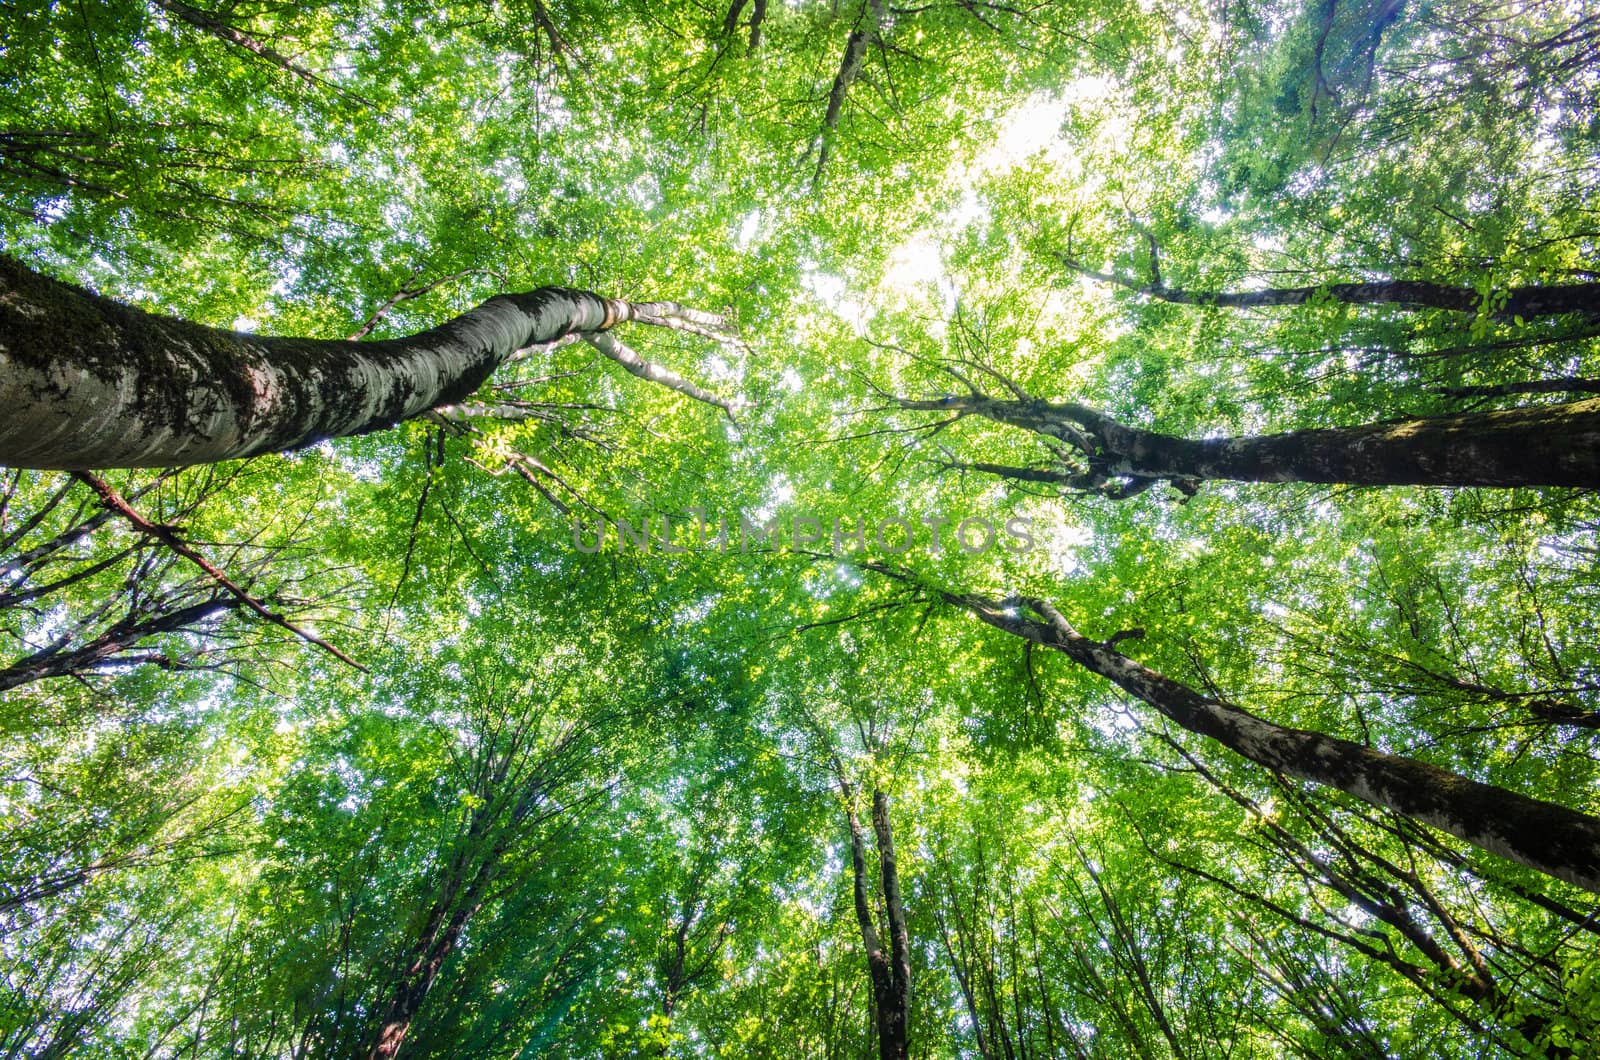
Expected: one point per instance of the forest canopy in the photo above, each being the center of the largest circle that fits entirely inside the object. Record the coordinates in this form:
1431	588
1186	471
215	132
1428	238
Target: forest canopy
829	530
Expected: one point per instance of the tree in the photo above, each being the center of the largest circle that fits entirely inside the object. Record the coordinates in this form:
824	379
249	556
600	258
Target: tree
1540	445
514	781
888	967
740	795
144	391
135	600
1561	842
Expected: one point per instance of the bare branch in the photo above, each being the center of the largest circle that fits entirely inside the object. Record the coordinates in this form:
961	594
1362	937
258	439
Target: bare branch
612	347
169	537
405	293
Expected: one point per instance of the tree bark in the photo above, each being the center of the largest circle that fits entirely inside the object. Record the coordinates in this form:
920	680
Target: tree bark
1527	302
1544	836
890	973
894	1009
433	947
86	382
758	14
1540	445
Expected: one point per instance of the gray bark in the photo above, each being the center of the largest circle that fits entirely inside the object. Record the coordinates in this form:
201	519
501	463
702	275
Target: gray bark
86	382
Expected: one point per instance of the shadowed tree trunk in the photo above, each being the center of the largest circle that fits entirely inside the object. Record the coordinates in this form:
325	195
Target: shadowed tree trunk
1541	445
894	1009
1541	835
890	971
1533	300
513	776
689	954
437	941
86	382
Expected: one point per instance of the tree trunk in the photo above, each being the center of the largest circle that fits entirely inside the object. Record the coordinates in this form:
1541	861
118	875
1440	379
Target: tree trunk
890	973
894	1009
855	54
86	382
1541	445
1528	302
961	966
435	944
1541	835
1549	445
472	870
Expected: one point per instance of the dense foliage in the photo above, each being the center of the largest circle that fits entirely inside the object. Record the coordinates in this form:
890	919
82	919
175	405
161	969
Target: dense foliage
745	797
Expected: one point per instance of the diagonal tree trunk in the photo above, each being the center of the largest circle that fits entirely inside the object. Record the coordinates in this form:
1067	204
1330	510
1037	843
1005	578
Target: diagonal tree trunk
1544	836
961	965
1540	445
86	382
855	54
433	947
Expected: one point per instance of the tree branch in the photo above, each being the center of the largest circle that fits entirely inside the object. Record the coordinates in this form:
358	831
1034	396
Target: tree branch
225	31
169	537
616	350
1526	302
855	51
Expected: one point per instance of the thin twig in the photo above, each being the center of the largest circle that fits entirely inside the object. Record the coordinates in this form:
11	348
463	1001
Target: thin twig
167	536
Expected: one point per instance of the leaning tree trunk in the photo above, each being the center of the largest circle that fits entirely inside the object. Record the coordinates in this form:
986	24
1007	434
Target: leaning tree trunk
86	382
438	939
1541	835
1541	445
